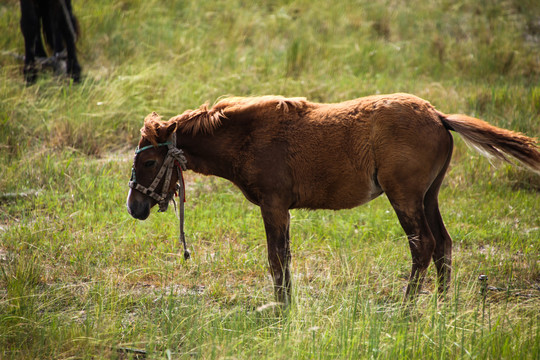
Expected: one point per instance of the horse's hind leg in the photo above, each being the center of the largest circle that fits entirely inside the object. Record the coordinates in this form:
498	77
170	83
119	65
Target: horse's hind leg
442	256
418	213
412	154
421	241
405	186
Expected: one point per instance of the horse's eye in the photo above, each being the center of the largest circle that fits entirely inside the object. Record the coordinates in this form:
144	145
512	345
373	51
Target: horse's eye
149	163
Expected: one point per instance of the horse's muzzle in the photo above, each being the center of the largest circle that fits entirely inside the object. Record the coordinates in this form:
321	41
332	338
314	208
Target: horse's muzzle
138	209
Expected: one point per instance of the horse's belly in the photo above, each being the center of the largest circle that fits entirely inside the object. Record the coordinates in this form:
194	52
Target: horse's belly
340	195
348	200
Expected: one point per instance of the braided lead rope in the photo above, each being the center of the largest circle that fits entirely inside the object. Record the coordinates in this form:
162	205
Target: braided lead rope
178	155
182	235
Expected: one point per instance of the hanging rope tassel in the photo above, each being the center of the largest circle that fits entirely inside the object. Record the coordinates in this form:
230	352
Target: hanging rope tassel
182	200
180	162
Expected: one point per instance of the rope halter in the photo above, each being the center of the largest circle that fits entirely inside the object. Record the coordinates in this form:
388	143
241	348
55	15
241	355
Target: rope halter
174	157
174	160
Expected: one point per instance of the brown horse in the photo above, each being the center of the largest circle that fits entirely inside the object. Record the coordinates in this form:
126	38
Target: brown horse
286	153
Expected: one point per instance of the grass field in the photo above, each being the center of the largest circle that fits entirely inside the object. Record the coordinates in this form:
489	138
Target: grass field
81	279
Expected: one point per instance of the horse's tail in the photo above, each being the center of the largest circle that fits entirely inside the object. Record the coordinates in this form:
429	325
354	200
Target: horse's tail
492	141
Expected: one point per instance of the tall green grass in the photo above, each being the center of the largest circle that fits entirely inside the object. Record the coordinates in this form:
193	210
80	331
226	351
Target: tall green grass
79	278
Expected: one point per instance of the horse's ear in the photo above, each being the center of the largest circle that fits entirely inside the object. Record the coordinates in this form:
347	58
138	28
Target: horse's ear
170	127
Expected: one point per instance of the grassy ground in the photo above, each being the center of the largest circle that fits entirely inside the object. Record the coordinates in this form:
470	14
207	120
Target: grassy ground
80	279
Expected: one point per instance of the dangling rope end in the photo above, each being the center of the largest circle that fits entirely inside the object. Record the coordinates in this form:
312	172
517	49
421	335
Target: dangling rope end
187	254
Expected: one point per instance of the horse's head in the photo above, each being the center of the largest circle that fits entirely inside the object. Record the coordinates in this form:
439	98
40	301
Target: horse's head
155	171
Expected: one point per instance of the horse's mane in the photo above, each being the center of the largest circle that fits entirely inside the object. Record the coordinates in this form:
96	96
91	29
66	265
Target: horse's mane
205	120
192	121
150	128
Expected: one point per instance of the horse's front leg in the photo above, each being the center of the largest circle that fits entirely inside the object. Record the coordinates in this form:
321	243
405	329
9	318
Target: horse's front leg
276	224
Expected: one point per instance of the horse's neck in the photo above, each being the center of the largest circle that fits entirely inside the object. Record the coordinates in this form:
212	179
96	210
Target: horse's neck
209	154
